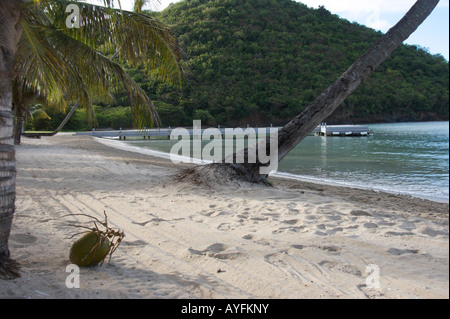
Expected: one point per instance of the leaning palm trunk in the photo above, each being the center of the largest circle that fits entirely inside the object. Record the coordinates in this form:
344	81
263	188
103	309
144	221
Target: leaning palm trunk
9	36
325	104
298	128
66	119
58	129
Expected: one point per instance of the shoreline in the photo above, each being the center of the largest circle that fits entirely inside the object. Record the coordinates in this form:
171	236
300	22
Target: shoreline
283	175
359	187
296	240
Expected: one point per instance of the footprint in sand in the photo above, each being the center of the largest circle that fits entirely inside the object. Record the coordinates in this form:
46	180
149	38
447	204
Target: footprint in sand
224	226
345	268
258	219
311	217
228	255
218	250
359	213
407	225
242	216
331	249
434	232
219	213
370	225
334	218
290	221
394	233
207	213
259	241
294	229
335	230
398	252
23	238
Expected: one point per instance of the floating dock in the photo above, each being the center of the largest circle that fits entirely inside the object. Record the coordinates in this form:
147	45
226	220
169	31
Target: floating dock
342	130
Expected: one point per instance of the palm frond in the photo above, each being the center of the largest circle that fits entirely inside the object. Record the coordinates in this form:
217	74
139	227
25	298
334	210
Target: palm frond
63	61
104	75
136	38
41	68
37	111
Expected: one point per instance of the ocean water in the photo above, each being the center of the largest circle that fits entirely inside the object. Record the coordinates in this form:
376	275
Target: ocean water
406	158
400	158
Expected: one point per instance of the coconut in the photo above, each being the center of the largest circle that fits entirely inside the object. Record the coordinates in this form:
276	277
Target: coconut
84	252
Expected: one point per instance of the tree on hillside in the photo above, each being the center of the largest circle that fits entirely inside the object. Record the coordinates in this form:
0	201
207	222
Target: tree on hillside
43	51
326	103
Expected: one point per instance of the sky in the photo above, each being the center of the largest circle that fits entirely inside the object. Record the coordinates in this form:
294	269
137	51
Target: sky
433	34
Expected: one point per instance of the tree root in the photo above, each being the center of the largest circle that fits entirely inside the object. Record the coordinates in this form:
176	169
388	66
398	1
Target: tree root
222	174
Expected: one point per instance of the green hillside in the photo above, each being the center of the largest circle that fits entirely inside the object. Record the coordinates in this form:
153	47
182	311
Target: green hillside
261	62
264	61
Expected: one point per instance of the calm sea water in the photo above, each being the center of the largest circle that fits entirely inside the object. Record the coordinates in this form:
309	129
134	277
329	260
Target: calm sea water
407	158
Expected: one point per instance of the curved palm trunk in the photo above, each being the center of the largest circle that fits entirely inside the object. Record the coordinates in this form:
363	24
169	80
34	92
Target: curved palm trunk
9	36
64	122
298	128
66	119
325	104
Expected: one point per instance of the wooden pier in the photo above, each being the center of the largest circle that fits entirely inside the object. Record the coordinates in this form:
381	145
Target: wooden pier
164	133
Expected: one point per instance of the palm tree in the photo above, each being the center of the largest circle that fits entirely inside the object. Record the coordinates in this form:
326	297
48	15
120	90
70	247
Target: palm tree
325	104
64	65
40	54
24	100
9	37
35	109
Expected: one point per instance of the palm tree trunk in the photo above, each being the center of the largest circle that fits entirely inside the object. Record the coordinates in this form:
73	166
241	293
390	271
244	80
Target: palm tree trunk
66	119
59	128
325	104
9	37
18	128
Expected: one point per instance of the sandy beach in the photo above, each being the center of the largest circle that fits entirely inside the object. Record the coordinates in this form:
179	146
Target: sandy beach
295	240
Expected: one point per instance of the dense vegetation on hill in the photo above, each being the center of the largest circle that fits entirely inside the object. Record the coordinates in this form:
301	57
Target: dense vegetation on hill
259	62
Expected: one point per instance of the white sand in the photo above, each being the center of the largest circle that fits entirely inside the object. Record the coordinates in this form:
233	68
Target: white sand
298	240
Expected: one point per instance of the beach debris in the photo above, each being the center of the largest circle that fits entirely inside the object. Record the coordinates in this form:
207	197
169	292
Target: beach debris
96	244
